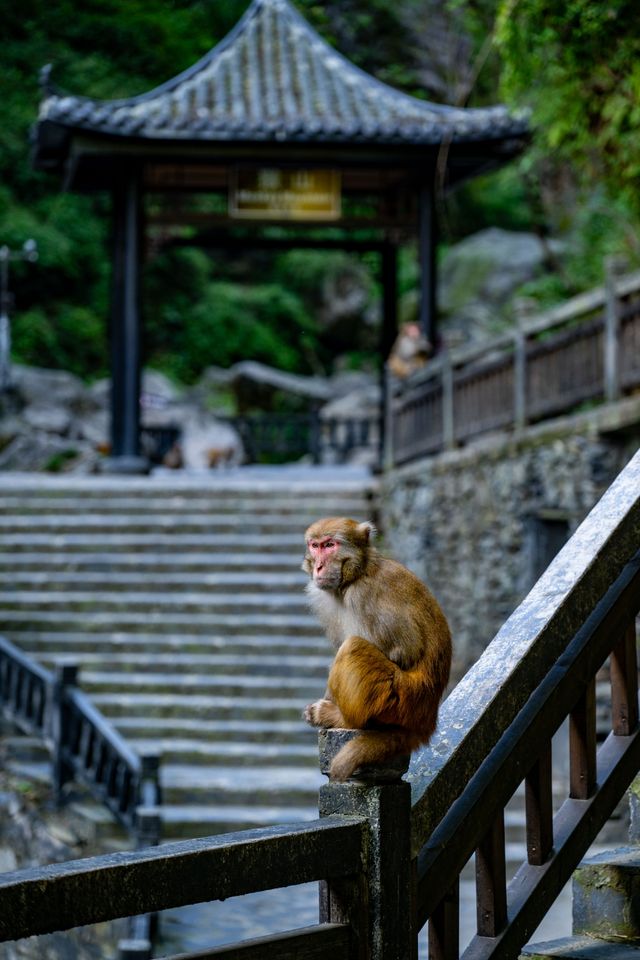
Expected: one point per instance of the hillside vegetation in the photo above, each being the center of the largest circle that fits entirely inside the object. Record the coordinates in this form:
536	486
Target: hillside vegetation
576	65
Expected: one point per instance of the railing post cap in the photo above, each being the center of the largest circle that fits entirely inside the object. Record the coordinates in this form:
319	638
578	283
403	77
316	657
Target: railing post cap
330	742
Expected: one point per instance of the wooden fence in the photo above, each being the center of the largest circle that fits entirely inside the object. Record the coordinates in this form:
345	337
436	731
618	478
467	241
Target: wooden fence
389	854
587	350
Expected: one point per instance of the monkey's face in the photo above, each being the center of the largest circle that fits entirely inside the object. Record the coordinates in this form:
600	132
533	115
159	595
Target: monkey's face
323	562
336	551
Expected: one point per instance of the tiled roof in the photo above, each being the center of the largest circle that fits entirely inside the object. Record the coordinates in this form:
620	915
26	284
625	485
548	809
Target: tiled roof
274	79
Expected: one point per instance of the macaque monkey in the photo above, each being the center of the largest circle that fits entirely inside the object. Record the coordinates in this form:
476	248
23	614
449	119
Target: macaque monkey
393	646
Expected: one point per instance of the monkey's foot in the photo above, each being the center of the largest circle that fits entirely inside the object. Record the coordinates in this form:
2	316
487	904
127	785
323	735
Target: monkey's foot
323	713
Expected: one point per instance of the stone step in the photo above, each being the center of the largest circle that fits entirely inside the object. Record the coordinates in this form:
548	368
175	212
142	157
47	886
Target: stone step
148	542
165	562
168	562
203	820
582	948
319	482
606	890
126	601
292	666
240	685
116	705
175	749
159	621
234	730
290	509
256	526
43	643
143	581
231	785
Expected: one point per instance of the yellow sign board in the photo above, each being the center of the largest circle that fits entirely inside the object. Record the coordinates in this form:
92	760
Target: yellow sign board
271	193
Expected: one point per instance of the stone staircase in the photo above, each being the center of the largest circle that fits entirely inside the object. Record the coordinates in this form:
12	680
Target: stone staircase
182	601
606	919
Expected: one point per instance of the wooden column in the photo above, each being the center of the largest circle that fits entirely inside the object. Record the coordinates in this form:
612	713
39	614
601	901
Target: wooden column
427	243
125	327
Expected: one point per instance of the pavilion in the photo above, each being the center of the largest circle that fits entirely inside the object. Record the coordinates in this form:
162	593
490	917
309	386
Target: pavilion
272	126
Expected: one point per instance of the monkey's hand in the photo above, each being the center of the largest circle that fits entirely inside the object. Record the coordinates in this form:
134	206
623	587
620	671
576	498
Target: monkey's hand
323	713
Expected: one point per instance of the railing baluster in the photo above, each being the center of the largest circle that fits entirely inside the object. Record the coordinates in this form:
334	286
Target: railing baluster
491	884
444	927
582	744
624	684
539	809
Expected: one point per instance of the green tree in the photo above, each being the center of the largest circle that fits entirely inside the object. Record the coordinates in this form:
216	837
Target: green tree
577	66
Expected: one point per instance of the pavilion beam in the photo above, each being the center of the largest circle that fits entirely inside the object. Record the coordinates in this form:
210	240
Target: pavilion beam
125	326
427	245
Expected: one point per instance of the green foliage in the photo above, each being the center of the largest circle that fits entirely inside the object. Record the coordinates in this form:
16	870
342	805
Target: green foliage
577	65
193	322
501	199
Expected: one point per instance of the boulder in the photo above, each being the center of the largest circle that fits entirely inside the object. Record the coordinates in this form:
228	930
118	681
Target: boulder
40	386
51	418
481	274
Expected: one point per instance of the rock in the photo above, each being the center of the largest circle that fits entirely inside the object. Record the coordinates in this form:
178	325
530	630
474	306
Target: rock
39	386
345	295
47	417
480	274
93	427
37	451
8	860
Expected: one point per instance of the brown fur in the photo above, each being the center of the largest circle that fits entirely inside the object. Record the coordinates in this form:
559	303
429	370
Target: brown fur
393	646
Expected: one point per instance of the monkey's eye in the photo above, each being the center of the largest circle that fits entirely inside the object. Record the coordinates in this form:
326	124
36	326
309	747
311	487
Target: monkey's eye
329	544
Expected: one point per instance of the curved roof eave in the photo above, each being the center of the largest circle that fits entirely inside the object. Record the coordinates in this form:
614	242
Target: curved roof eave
274	79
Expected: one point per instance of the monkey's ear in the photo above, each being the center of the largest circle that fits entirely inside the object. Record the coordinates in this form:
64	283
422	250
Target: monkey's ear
367	530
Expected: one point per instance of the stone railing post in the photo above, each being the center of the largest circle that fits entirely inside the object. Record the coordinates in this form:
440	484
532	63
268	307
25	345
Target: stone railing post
378	906
66	676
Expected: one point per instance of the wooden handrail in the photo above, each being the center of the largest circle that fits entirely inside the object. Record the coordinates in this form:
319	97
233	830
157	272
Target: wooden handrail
44	899
584	350
495	732
488	698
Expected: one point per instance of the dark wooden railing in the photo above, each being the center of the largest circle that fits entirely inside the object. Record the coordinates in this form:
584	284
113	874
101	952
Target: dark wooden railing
283	437
389	854
85	748
586	350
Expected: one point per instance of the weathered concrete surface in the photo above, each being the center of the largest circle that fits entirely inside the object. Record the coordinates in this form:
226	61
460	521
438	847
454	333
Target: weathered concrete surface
606	896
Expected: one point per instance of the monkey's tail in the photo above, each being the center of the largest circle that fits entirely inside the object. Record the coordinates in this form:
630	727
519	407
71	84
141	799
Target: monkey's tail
371	748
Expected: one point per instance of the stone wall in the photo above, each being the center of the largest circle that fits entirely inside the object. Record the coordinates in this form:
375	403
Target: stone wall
481	523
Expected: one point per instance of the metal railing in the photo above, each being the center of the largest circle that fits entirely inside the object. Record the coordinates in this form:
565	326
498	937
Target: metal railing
587	350
284	437
389	855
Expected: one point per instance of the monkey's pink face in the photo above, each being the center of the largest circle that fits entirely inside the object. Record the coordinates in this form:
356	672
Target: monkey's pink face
326	566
